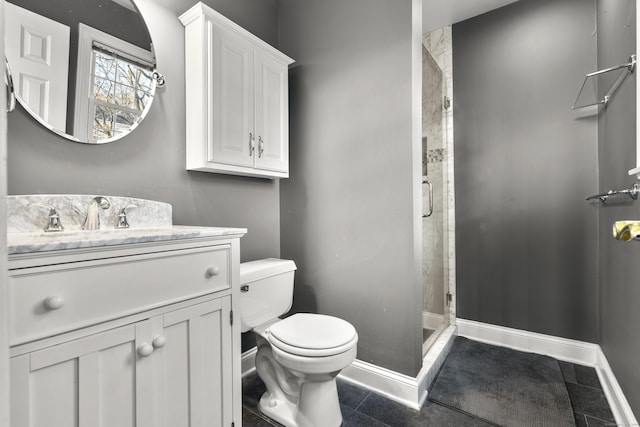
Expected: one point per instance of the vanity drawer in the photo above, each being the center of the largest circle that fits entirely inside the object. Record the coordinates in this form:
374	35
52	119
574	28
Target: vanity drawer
50	300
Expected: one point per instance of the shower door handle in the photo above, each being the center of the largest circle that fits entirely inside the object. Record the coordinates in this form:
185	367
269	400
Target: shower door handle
426	181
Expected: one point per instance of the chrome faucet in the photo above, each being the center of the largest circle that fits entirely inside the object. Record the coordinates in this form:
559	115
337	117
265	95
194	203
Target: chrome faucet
53	219
92	221
53	223
122	217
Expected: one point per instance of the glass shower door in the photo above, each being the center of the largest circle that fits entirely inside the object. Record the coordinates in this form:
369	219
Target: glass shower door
435	269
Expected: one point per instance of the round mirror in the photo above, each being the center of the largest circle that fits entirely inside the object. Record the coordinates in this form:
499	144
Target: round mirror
85	69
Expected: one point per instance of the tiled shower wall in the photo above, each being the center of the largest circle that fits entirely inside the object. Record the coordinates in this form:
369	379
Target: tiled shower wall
440	158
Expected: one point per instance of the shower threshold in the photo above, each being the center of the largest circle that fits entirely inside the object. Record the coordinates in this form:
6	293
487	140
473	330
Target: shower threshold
431	336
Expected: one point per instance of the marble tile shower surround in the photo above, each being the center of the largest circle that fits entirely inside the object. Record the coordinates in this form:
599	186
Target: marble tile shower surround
29	213
437	155
433	89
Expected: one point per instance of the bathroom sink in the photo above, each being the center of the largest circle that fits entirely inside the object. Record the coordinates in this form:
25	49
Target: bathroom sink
150	221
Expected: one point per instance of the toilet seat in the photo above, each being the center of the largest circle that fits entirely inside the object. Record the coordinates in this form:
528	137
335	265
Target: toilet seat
312	335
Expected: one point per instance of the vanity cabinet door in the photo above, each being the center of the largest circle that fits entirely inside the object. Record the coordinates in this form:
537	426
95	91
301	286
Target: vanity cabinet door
99	380
172	370
197	366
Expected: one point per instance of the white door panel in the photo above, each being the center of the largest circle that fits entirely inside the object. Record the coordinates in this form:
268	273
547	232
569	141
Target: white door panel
38	52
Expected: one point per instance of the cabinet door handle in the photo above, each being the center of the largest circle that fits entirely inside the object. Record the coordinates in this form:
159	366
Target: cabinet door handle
159	341
53	302
252	144
260	146
145	349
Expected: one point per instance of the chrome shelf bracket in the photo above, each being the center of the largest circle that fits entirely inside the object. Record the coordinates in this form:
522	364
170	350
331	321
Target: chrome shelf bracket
630	67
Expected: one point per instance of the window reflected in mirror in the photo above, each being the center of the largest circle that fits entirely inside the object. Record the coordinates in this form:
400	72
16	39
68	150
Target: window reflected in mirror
121	91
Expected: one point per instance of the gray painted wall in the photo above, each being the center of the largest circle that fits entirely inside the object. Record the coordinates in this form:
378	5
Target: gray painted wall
150	163
619	290
524	162
347	210
106	16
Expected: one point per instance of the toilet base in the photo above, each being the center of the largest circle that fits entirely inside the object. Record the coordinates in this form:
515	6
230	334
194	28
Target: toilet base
318	406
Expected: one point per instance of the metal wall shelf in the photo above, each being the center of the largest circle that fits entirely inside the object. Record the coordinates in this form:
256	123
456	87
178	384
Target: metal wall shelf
584	99
631	192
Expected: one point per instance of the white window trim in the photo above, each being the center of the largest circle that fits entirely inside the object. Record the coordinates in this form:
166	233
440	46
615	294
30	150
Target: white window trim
86	37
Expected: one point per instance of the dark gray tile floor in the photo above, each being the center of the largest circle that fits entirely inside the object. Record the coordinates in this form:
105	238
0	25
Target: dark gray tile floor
590	405
364	408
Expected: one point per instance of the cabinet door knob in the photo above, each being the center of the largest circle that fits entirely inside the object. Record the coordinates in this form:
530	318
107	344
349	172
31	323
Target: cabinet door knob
145	349
213	271
159	341
53	302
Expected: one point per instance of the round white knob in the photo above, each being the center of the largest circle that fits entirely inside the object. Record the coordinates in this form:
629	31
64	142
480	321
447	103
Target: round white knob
159	341
53	302
213	271
145	350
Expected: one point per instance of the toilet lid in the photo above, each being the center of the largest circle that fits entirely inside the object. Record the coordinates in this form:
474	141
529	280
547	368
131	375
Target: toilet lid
309	334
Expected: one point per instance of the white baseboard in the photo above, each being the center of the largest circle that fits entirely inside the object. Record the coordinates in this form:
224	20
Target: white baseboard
565	349
409	391
393	385
619	406
579	352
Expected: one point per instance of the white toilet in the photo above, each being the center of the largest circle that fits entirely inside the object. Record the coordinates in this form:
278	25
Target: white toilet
298	357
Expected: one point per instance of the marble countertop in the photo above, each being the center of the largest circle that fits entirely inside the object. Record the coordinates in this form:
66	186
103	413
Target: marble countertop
150	221
29	242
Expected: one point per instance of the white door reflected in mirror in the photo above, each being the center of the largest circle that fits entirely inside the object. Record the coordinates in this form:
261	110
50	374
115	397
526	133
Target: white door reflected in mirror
38	48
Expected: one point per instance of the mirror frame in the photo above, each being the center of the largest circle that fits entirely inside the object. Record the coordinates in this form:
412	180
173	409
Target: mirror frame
158	80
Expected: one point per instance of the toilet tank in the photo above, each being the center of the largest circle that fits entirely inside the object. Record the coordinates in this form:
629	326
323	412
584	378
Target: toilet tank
266	290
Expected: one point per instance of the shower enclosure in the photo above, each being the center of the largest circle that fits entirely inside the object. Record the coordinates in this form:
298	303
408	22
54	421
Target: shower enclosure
437	184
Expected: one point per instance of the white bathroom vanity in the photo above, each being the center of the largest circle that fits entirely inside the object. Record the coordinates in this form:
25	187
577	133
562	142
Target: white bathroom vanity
124	327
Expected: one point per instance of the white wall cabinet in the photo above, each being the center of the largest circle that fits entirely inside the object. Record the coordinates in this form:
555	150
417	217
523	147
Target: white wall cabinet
237	98
174	363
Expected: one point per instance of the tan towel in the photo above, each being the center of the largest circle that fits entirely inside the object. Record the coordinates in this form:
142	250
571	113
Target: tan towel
626	230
